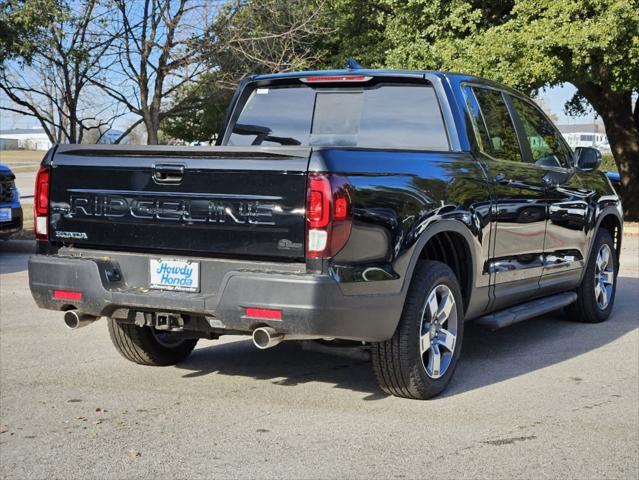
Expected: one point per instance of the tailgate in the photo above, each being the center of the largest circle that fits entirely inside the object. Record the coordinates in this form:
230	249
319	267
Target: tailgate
236	201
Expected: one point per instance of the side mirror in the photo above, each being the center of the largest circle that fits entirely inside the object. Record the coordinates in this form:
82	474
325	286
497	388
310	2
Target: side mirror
587	159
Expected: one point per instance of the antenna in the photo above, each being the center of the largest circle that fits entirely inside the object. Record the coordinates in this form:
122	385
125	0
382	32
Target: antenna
353	64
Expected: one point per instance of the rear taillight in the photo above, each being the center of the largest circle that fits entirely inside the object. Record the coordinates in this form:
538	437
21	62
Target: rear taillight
41	204
329	215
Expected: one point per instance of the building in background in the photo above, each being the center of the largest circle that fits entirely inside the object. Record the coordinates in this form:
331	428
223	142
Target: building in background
36	138
8	144
585	135
25	138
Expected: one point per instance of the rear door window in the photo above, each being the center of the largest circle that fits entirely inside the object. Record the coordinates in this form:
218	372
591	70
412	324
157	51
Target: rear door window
502	140
477	120
385	115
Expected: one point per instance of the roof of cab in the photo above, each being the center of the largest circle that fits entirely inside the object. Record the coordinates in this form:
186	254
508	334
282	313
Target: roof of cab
444	76
363	71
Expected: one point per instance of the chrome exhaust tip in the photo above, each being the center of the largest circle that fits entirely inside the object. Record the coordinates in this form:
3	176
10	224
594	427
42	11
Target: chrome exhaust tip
74	319
266	337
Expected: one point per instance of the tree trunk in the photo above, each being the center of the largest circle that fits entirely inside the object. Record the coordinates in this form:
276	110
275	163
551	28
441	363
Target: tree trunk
151	136
623	136
615	109
152	124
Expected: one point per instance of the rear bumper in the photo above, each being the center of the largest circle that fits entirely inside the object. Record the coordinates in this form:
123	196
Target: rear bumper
310	304
15	225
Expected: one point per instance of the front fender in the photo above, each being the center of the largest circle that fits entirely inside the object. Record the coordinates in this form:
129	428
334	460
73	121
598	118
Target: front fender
602	215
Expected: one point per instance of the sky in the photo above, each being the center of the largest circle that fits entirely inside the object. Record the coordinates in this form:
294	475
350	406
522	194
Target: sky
555	98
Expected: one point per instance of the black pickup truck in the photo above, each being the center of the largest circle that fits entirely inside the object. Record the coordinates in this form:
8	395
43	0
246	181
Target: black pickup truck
383	207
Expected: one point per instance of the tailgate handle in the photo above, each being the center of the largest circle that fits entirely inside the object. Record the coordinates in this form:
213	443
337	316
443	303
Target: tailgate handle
168	173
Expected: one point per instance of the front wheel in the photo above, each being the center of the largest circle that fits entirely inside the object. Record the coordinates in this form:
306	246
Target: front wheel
148	346
419	360
596	294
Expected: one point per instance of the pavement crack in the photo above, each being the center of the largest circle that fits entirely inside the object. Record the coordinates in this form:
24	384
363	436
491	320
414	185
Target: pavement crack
508	441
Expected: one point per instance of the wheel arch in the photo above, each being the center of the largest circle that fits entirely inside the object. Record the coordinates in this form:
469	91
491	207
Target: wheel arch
450	242
610	220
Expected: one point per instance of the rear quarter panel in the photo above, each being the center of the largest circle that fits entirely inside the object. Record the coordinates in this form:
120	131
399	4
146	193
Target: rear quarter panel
401	198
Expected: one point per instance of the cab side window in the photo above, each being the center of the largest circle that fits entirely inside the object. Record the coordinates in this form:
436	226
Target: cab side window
500	139
547	148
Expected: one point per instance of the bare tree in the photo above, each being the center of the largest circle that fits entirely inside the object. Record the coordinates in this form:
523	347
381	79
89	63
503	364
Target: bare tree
264	36
153	58
54	86
247	37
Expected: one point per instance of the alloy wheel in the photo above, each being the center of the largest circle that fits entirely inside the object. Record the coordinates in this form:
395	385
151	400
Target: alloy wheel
438	332
604	276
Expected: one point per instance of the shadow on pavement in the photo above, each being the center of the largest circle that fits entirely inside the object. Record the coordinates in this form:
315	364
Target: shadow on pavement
487	357
492	357
285	365
14	255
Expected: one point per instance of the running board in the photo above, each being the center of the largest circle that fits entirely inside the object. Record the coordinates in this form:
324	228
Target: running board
527	310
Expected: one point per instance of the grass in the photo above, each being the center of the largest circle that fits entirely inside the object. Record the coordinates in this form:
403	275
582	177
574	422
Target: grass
608	163
21	160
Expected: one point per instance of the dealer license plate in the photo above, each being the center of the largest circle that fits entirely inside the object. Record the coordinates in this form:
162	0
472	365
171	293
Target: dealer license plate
177	275
5	214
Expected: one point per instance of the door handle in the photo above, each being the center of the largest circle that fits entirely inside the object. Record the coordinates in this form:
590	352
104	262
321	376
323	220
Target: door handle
502	179
168	173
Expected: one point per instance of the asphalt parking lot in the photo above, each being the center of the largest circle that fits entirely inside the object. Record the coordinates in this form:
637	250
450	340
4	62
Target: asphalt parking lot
543	399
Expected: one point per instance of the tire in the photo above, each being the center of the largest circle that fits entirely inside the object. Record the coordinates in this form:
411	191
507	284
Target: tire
400	366
589	308
143	345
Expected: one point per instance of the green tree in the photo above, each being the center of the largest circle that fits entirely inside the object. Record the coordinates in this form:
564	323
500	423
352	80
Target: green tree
24	25
209	100
534	43
357	30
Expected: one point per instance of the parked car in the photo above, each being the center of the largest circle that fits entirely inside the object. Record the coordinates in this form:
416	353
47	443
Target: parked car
615	179
385	207
10	209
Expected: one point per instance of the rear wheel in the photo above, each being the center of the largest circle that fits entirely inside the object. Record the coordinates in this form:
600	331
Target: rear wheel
596	294
419	360
148	346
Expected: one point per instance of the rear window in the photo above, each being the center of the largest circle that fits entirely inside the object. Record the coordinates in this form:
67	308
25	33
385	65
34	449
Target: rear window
386	115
